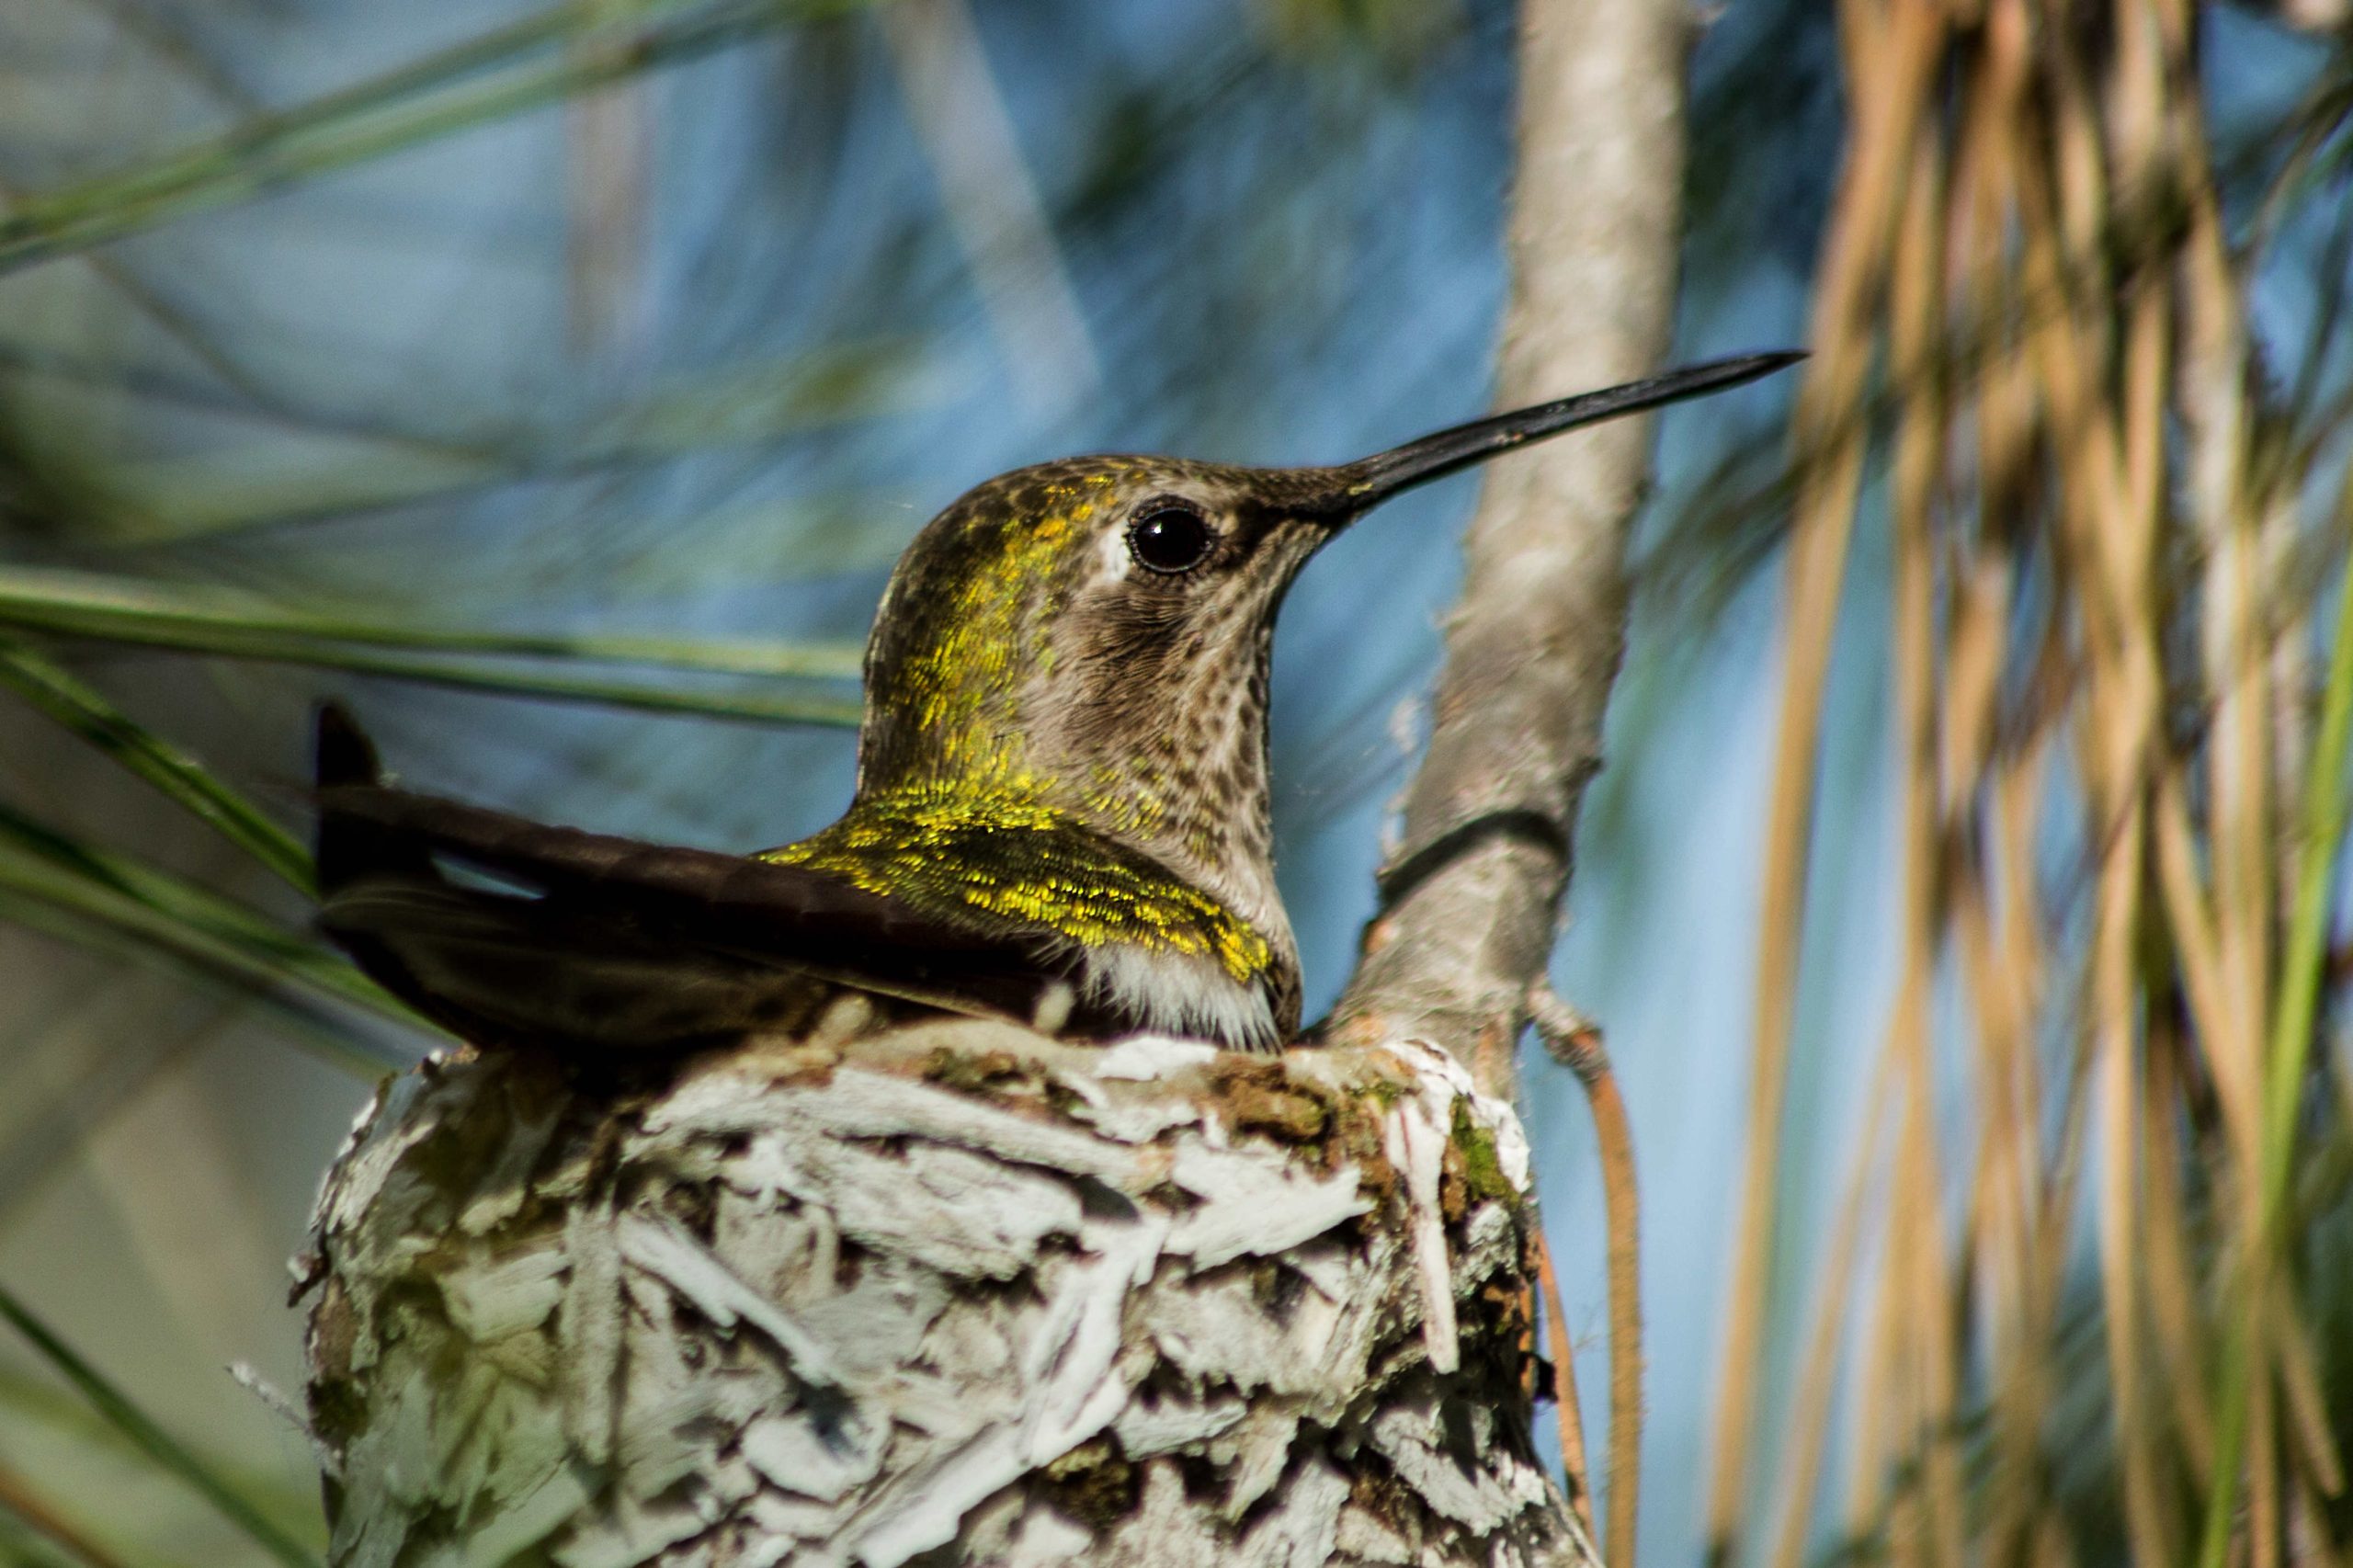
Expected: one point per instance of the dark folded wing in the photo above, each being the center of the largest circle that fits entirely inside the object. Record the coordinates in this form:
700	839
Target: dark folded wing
614	940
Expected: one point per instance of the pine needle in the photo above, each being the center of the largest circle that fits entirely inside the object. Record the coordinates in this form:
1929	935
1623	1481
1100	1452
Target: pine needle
160	1447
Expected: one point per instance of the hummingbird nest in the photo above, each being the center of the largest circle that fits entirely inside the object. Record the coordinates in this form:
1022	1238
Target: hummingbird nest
947	1293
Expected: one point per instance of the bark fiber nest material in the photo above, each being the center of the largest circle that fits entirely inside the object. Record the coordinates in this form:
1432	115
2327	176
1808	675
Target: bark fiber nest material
946	1293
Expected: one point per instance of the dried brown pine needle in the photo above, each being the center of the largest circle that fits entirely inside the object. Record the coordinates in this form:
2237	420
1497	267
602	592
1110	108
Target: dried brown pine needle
2101	655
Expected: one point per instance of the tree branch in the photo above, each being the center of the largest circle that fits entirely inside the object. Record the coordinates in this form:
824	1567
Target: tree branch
1474	894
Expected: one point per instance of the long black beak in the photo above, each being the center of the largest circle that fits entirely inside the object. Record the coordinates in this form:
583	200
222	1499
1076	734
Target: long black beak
1369	480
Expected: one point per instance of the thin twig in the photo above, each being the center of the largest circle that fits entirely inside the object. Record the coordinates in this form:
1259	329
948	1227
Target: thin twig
1568	1412
1575	1044
1533	648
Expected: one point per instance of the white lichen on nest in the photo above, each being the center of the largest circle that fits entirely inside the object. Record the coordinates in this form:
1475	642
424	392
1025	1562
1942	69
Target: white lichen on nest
948	1289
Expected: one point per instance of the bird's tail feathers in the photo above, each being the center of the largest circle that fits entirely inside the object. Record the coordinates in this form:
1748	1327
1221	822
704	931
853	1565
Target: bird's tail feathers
351	848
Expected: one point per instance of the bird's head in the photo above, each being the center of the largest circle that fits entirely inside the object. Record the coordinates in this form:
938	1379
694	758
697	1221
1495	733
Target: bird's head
1091	635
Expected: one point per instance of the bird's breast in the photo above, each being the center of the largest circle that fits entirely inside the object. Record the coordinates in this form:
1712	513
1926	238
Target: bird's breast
1141	941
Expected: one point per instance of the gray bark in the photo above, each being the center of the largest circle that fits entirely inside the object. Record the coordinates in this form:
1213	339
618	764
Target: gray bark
938	1293
1475	888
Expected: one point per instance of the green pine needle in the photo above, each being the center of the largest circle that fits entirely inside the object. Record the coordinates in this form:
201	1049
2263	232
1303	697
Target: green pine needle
477	83
179	777
2300	966
116	609
151	1439
316	1031
126	895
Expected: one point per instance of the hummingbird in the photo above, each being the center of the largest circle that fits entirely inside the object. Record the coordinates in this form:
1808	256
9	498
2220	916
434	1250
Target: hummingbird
1062	813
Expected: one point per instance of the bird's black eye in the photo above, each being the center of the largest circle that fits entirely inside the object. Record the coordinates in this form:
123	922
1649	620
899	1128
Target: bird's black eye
1170	537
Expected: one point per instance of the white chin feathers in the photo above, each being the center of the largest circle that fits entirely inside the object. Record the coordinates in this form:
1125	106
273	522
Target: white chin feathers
1179	995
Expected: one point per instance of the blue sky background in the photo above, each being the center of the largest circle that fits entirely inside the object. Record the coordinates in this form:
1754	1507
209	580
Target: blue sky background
1282	236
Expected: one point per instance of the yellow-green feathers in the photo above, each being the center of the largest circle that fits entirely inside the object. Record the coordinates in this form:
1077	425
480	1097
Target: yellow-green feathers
946	851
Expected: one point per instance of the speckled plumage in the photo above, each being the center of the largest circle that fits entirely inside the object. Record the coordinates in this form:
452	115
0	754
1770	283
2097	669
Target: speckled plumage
1058	738
1062	805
